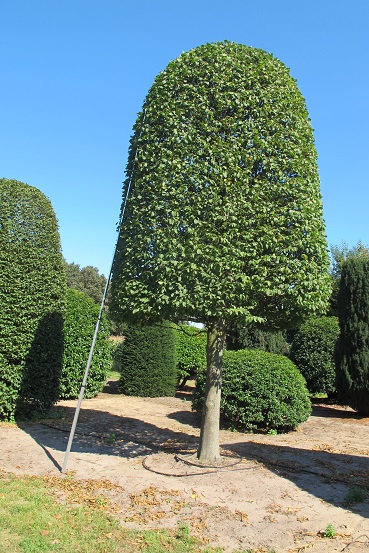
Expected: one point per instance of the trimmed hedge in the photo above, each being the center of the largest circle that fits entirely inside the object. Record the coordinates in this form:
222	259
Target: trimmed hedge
190	344
253	336
260	391
312	351
32	295
147	361
80	321
352	352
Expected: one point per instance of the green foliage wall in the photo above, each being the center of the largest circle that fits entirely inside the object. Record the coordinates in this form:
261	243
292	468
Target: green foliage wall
352	354
260	390
32	291
312	351
224	214
147	361
253	336
80	321
190	344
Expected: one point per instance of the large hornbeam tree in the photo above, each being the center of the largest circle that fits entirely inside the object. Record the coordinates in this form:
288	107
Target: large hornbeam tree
222	206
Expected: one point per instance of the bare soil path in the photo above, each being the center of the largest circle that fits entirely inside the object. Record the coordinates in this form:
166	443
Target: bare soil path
278	493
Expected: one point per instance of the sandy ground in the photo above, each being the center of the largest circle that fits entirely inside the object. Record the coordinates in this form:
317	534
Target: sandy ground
277	493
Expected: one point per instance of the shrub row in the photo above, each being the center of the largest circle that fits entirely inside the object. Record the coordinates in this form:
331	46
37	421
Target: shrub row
45	333
79	326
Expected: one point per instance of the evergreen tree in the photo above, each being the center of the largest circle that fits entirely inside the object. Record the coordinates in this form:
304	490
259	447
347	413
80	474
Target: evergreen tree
352	354
87	280
339	255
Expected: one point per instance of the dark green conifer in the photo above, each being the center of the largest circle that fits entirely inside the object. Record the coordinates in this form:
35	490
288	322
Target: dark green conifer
352	353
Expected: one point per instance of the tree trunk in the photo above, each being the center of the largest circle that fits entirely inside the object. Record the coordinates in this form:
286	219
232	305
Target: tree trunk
208	451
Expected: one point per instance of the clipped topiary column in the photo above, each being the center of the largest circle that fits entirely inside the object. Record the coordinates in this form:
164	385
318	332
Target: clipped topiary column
352	353
312	351
80	320
222	207
32	295
147	361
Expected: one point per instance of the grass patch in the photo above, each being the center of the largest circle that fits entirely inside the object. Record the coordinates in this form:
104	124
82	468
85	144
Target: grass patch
32	520
114	374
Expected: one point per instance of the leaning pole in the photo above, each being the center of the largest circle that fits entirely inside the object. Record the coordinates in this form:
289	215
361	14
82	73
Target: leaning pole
88	364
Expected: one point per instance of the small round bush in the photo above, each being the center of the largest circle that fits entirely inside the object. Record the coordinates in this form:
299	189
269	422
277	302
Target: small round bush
312	351
190	351
147	361
79	327
260	390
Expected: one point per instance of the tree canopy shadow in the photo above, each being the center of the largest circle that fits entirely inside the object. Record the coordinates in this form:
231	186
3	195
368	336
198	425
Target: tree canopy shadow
104	433
335	412
323	474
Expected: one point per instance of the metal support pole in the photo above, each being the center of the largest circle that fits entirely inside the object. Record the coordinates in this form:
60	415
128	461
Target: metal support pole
84	382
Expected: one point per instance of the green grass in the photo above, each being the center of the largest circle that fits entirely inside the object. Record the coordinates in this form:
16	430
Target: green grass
32	520
114	374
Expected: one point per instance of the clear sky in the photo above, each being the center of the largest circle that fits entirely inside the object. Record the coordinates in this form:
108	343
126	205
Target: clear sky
74	74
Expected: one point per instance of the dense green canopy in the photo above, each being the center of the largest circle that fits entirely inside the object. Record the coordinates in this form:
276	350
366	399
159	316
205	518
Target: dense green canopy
32	295
224	213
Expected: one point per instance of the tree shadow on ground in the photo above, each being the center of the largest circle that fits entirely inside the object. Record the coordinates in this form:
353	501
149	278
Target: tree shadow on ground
323	474
326	475
335	412
103	433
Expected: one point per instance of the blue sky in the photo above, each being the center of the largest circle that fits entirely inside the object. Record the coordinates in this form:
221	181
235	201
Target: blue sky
74	74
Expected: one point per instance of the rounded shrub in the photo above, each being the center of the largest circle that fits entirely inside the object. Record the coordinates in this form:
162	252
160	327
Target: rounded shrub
79	327
32	295
260	390
352	352
312	351
147	361
190	351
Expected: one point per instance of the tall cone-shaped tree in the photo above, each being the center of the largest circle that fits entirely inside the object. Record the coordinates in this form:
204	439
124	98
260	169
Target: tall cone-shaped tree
223	214
352	351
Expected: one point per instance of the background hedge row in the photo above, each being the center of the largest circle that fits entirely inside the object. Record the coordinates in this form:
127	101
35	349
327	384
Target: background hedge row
147	361
190	345
79	326
312	350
